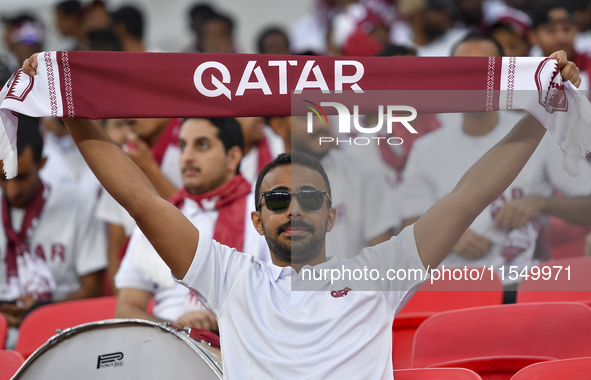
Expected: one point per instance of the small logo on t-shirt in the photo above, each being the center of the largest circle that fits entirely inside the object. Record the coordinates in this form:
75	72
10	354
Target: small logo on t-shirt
340	293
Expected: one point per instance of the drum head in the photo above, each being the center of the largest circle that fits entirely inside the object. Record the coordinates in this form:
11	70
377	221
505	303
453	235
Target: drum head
121	349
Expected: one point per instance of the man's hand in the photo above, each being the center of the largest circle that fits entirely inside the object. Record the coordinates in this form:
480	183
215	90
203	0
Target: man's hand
30	65
140	153
472	246
568	70
518	212
13	313
201	319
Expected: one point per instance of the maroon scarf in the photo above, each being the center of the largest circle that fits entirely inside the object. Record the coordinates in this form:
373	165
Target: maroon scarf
229	227
264	154
170	136
17	243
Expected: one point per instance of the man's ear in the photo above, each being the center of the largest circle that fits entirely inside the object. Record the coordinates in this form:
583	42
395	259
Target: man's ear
532	38
42	162
332	218
234	156
257	222
279	125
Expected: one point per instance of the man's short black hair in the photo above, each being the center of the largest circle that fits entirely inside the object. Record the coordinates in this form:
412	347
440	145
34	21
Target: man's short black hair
19	19
103	40
29	134
69	7
223	18
132	19
539	12
201	11
295	158
229	132
474	36
268	32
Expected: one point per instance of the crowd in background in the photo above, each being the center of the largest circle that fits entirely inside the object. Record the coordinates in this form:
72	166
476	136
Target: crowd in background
96	231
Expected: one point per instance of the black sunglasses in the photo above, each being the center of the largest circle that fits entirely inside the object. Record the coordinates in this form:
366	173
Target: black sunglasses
279	200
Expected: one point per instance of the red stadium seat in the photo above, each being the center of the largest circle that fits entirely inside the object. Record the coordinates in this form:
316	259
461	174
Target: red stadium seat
3	331
42	323
579	368
577	288
504	336
10	362
566	239
435	374
441	295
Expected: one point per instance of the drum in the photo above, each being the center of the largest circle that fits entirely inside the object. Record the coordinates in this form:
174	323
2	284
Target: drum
122	349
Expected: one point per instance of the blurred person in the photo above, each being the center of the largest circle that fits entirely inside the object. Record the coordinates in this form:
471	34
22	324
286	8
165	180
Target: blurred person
67	21
197	16
554	27
430	27
128	25
101	40
53	249
261	146
94	16
360	221
153	146
216	199
117	129
512	34
470	14
582	14
273	40
24	34
10	24
358	31
217	34
511	231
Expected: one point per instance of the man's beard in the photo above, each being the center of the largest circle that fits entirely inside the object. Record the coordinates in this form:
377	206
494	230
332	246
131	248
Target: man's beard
299	249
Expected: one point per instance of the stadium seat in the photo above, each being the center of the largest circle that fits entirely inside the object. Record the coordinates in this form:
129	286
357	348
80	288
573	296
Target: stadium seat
42	323
566	239
3	331
579	368
497	341
10	362
435	374
441	295
577	288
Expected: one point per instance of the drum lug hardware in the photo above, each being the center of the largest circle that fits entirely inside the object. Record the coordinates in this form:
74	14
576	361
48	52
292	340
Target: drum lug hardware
58	331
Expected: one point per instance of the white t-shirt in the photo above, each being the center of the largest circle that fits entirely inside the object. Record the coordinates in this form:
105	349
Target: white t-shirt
439	159
249	165
108	210
269	331
171	299
68	236
360	195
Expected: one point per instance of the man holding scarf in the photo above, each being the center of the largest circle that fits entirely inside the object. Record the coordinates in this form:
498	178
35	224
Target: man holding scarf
269	330
216	199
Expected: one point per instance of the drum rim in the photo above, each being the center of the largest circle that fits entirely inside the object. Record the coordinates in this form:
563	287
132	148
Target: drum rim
66	333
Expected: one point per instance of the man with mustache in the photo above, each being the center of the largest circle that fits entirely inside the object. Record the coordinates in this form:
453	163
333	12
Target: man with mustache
216	199
268	329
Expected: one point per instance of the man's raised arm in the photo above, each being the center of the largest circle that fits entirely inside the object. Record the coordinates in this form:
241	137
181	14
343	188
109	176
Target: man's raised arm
171	234
440	228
